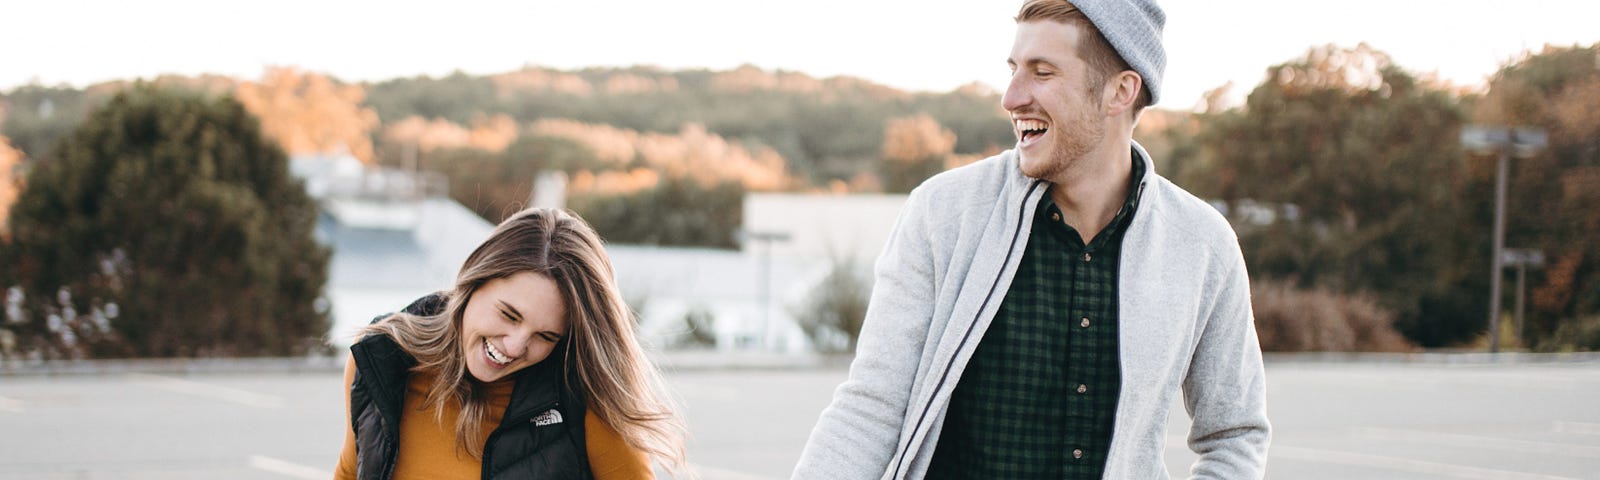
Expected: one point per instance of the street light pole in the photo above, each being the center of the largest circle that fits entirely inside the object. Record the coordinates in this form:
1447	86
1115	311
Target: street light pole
1521	259
765	239
1503	142
1522	289
1499	247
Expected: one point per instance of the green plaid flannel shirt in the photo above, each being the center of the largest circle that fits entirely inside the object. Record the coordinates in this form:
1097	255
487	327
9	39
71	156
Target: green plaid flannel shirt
1038	398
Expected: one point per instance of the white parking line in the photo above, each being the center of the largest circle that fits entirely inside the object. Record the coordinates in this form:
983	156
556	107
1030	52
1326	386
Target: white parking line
218	392
1489	443
10	405
1580	428
1403	464
288	469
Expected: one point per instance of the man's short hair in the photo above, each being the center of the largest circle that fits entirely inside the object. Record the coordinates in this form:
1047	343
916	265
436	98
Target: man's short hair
1093	47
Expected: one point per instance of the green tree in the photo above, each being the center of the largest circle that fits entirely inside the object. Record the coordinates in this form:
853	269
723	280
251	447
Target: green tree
456	97
497	184
37	116
1361	163
165	225
675	212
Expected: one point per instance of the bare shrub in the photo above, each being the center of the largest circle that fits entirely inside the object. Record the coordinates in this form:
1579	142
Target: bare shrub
1320	320
832	313
1574	335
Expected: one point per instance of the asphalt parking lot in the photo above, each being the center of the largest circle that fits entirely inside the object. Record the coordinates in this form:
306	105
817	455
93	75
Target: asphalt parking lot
1333	420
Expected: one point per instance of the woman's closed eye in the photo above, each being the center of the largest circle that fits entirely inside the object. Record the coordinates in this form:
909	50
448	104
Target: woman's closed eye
510	312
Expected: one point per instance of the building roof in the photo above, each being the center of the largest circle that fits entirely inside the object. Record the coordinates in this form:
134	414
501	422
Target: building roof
391	241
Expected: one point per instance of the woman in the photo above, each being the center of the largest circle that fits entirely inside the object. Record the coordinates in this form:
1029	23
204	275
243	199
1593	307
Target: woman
528	368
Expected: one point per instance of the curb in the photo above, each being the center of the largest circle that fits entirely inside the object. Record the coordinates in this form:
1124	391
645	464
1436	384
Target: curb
678	361
1433	358
683	361
173	366
697	361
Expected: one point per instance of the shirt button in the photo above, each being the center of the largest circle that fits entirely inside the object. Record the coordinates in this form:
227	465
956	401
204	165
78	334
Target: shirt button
1086	256
1055	217
1084	323
1083	388
1077	453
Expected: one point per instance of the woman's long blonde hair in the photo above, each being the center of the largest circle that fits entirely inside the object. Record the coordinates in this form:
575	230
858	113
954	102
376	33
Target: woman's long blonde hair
617	382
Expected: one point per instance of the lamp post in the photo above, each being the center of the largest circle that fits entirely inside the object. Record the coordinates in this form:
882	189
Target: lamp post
1521	259
1503	142
765	239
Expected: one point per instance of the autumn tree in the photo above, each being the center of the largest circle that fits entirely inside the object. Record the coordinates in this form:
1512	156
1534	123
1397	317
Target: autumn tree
10	181
1360	165
914	148
165	225
823	128
1172	139
490	134
1552	197
308	113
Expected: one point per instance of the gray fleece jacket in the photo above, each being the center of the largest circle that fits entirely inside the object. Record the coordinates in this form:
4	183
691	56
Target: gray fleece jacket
1185	326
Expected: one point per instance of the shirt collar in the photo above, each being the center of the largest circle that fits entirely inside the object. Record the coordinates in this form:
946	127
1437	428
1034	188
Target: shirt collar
1048	213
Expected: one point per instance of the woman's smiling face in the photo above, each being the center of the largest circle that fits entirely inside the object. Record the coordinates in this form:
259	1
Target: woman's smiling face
511	323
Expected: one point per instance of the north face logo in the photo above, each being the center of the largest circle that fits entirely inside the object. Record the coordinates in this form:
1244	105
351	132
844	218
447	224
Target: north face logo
550	417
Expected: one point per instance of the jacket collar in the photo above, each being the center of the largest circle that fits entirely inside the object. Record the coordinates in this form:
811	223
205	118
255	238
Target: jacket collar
1019	189
539	388
386	368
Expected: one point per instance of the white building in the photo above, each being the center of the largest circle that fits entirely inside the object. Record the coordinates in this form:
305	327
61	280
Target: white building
790	243
395	236
844	227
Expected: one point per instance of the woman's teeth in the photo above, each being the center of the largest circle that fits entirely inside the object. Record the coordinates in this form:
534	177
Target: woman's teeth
494	353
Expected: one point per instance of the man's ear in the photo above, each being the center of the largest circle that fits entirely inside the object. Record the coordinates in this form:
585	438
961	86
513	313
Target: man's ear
1122	92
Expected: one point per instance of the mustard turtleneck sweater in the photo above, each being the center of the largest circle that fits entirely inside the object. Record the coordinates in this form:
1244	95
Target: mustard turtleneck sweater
428	447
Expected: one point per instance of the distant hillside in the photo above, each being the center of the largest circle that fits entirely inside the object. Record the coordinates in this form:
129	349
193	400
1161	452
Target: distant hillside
823	128
681	145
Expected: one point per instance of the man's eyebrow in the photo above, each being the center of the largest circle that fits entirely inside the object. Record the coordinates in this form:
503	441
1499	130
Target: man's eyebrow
1034	62
510	310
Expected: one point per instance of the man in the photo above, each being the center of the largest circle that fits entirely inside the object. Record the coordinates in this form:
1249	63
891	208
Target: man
1036	313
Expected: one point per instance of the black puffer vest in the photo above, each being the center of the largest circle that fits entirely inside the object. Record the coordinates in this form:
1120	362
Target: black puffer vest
541	436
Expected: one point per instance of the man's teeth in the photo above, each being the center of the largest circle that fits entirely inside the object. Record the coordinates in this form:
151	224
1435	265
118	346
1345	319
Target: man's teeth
494	354
1030	125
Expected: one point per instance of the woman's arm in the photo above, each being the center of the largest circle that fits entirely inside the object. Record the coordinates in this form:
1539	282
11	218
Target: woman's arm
610	458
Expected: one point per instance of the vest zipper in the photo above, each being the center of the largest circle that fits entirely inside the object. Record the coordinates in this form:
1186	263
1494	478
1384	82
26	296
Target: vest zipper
489	443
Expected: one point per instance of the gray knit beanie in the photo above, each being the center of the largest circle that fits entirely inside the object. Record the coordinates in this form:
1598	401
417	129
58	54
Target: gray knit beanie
1134	28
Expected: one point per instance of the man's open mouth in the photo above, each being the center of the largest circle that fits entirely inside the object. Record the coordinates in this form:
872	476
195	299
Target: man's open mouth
1030	130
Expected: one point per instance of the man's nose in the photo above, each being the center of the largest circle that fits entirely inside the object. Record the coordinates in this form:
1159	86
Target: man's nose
1017	95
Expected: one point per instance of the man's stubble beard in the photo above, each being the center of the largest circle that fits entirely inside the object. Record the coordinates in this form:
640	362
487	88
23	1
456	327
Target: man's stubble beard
1074	143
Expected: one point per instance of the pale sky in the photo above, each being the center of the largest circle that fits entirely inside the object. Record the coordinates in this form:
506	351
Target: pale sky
918	45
